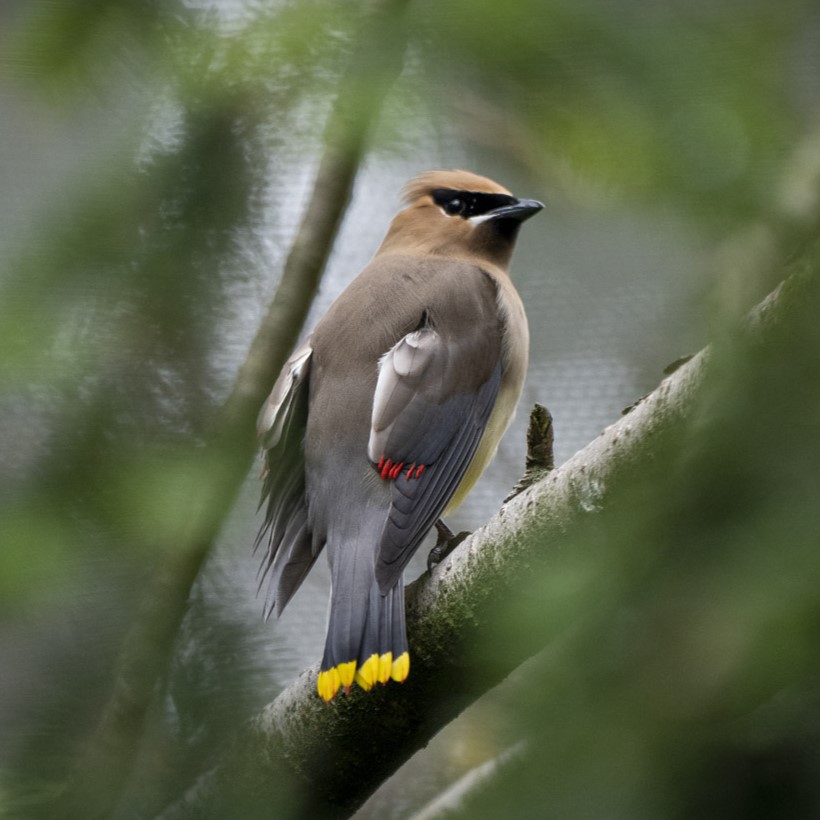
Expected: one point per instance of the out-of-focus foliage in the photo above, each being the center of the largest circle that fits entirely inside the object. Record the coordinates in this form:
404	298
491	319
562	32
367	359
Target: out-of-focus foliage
153	163
680	102
115	293
683	678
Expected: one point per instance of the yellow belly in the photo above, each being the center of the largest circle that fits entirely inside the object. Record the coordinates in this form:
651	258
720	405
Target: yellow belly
515	348
498	422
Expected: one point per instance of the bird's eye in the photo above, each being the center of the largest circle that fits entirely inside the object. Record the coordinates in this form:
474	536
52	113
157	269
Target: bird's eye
454	206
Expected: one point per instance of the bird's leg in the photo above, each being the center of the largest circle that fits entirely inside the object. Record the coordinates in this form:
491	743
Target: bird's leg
446	542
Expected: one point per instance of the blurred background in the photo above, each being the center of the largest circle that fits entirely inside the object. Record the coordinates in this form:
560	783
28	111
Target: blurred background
155	162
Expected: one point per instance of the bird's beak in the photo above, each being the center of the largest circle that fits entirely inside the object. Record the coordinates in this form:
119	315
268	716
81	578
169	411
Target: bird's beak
519	211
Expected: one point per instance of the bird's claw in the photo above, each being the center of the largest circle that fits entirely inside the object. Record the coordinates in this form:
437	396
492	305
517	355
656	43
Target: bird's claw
447	541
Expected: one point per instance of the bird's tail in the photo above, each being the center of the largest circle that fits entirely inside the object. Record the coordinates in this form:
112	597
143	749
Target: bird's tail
366	639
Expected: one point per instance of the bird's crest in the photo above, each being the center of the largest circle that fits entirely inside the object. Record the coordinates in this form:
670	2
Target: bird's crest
424	184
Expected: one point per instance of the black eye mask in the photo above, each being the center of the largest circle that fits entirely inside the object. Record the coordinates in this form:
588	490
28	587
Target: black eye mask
469	203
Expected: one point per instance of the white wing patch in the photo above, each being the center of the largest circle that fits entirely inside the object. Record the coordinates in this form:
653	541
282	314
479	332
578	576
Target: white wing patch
400	372
276	410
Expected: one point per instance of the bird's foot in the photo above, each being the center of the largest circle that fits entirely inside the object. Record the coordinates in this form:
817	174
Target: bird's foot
447	541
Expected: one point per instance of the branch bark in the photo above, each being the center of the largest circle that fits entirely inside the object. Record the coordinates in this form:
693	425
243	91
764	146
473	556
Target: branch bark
343	751
225	461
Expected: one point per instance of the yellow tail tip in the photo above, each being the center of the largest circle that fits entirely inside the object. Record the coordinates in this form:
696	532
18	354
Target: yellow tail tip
328	683
368	673
401	667
376	669
347	671
385	665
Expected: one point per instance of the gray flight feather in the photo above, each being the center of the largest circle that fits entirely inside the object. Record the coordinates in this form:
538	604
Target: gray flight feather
281	428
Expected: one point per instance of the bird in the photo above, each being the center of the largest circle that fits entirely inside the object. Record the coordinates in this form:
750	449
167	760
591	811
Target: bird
384	417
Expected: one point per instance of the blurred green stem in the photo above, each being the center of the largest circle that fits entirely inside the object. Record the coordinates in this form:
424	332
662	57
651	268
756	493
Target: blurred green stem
224	463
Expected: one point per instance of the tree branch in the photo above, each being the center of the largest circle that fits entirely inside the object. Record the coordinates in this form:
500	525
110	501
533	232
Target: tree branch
344	750
451	801
540	455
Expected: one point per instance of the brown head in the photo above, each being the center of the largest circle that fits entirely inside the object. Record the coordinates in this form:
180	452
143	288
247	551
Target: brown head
456	214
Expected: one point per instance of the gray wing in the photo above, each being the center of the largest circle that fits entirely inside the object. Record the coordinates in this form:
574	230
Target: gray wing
434	396
285	532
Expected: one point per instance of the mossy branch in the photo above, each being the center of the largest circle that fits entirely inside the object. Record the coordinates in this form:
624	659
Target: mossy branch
342	751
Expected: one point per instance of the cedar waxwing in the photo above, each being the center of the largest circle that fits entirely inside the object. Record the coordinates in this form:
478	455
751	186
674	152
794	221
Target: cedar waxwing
385	417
